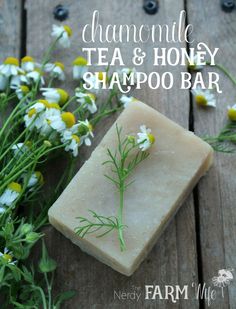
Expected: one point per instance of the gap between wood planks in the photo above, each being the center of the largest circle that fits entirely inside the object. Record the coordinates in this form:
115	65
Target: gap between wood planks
195	190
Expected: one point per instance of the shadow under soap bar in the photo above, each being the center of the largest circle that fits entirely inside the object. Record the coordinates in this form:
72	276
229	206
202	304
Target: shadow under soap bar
177	161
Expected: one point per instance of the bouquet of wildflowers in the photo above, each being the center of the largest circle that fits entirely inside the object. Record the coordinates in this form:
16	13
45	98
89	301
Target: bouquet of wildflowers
39	121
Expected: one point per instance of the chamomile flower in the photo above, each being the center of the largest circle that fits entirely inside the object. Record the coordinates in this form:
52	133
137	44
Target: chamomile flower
126	100
85	131
79	67
130	73
87	100
52	111
61	122
3	82
36	76
95	81
10	195
7	256
18	80
36	178
145	138
232	112
10	67
72	142
63	34
56	70
28	64
21	91
57	95
204	97
34	116
194	65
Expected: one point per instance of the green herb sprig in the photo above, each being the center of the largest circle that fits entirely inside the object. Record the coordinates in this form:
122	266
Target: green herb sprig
123	161
225	141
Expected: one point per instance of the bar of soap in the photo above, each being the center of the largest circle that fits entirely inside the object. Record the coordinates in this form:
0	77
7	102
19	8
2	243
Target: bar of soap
177	161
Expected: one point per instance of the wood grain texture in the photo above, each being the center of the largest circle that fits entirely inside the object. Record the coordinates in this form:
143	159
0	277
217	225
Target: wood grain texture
10	28
173	260
10	33
217	190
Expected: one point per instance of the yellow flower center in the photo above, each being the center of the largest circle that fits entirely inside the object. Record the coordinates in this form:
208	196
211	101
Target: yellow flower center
39	71
28	144
90	127
60	65
151	138
232	114
53	105
12	61
48	121
27	59
44	102
92	96
14	186
64	96
68	118
201	100
76	138
7	257
81	61
68	30
39	176
32	112
24	89
101	75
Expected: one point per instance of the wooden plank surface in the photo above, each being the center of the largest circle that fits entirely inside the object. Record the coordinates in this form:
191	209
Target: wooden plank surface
10	28
217	190
173	260
10	33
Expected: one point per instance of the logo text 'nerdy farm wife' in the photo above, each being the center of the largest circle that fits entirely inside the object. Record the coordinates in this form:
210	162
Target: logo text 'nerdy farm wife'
174	293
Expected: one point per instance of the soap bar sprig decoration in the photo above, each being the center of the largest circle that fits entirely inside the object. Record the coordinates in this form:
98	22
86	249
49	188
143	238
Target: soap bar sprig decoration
130	152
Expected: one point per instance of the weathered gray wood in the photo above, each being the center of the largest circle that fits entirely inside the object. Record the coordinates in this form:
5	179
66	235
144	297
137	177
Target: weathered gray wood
10	28
217	189
173	260
10	33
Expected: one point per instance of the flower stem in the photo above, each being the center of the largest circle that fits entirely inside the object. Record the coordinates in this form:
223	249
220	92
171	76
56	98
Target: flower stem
225	71
120	218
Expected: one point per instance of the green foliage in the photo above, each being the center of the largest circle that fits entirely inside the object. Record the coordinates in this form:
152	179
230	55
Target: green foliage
123	161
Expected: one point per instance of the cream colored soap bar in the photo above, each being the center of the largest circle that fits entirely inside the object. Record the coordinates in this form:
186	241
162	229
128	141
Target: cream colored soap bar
177	160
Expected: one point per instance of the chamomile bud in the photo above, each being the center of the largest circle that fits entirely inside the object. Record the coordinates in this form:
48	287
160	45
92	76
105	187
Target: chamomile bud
47	143
26	228
232	112
32	237
63	34
79	68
